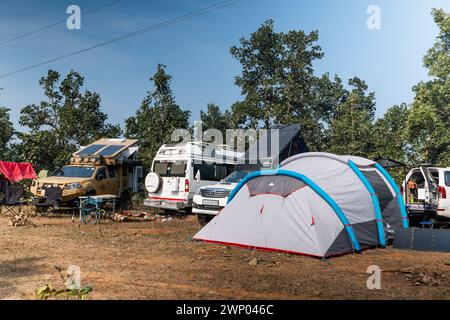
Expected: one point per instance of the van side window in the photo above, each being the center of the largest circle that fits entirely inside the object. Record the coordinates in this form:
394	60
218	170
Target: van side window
211	172
435	174
111	172
206	171
101	174
447	178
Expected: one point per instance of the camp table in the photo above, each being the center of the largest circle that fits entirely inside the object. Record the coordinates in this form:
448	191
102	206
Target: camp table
98	201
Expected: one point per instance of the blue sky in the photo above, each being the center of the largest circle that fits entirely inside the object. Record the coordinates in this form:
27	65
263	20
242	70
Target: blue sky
196	51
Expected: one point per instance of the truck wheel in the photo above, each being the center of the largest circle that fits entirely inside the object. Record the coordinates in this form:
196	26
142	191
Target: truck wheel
203	219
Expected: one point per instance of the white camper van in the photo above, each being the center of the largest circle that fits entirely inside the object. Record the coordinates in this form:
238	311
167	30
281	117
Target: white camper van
426	191
179	170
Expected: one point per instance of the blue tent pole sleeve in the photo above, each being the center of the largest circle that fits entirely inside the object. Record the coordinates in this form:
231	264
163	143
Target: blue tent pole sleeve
313	186
375	201
399	195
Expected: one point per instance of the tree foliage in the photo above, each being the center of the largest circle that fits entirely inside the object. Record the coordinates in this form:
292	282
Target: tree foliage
279	85
352	123
67	119
6	133
389	135
429	118
158	116
214	118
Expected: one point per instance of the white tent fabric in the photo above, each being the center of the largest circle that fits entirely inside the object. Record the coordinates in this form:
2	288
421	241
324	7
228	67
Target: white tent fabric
316	204
308	224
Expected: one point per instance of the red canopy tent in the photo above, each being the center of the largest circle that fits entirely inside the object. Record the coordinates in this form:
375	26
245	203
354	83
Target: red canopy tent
15	172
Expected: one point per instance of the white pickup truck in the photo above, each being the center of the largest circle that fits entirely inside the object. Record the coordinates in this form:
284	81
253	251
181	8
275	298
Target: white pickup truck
426	191
212	198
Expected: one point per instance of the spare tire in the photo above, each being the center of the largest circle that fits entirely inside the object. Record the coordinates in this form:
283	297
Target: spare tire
152	182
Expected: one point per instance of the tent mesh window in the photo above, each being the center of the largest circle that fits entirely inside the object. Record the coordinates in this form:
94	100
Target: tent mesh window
279	185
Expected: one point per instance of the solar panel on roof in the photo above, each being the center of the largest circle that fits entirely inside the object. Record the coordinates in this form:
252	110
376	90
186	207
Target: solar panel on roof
90	150
110	150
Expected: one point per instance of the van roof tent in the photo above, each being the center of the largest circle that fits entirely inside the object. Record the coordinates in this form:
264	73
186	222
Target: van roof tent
389	163
291	142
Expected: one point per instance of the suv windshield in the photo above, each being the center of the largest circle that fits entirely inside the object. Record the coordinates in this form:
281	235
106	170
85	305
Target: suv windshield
447	178
75	172
235	177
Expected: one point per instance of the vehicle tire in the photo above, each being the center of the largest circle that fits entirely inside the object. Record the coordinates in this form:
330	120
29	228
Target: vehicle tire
204	219
152	182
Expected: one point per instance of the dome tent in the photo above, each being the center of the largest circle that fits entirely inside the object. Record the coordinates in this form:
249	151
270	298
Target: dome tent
316	204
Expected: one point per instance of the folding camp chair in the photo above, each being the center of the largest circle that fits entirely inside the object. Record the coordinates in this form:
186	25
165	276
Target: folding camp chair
12	200
52	199
3	184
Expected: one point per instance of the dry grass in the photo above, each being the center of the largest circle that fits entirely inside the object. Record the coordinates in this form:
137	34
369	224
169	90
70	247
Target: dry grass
157	260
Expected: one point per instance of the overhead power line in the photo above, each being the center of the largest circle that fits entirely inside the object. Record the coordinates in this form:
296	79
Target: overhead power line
160	25
56	23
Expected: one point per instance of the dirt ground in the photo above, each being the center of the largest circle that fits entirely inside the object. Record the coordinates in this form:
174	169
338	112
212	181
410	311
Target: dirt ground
158	260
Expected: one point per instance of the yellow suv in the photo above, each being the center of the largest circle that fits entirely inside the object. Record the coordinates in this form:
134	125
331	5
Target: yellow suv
106	167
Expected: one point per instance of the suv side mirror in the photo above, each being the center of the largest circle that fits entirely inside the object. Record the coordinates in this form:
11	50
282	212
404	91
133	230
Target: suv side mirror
197	176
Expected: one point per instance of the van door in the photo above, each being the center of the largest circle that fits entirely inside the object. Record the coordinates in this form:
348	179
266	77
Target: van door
431	188
173	176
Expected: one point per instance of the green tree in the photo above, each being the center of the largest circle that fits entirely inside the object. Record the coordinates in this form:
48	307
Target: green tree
429	118
389	135
6	134
279	86
261	58
158	116
352	125
67	119
214	118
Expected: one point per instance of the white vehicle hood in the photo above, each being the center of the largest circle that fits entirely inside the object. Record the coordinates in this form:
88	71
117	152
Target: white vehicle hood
220	185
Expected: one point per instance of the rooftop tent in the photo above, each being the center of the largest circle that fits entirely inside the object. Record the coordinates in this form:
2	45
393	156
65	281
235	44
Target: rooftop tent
316	204
261	154
389	163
